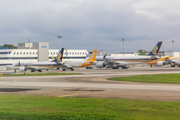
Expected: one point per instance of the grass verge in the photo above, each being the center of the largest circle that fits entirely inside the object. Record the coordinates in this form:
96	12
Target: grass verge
43	108
41	74
158	78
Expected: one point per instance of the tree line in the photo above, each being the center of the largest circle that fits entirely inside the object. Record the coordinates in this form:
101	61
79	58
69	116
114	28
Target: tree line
9	46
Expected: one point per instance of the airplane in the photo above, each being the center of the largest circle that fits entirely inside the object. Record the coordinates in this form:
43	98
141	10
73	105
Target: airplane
79	64
158	62
38	66
173	61
124	61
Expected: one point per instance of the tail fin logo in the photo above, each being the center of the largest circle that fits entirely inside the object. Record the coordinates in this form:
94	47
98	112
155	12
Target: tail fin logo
154	51
59	58
91	59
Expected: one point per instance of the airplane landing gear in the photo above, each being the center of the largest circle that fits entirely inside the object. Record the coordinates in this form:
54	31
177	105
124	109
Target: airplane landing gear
124	67
172	65
115	67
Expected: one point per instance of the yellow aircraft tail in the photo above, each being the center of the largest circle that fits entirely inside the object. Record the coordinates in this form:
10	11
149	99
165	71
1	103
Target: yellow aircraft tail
92	57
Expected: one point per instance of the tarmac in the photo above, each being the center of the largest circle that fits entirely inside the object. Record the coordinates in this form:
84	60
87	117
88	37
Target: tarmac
94	83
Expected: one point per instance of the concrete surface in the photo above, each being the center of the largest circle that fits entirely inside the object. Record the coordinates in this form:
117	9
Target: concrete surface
94	83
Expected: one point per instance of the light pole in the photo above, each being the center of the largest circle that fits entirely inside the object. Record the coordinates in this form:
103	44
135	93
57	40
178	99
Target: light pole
173	43
123	44
59	37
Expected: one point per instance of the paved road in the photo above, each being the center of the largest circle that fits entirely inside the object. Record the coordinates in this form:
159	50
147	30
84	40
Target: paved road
94	83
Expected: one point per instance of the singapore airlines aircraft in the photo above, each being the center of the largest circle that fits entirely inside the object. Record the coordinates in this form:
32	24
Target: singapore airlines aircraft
38	66
123	61
79	64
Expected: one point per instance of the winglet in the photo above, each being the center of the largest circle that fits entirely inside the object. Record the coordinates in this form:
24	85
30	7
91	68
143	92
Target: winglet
92	57
104	56
19	64
59	57
156	49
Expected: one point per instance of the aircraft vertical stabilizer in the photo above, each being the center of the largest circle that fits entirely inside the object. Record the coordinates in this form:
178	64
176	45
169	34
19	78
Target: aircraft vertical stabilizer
59	57
156	49
92	57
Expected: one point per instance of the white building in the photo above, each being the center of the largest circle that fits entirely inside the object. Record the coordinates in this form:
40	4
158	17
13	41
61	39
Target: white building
175	53
9	56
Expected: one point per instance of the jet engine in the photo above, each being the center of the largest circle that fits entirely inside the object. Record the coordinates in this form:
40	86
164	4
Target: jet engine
100	65
160	63
22	69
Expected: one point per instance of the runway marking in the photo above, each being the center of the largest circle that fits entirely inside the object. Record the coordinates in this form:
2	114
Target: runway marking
100	79
68	95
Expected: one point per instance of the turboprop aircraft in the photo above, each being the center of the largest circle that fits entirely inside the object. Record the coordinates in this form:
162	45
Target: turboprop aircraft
38	66
123	61
78	64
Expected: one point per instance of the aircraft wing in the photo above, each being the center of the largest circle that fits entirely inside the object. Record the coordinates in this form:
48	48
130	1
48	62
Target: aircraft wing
108	61
174	60
65	65
168	61
60	63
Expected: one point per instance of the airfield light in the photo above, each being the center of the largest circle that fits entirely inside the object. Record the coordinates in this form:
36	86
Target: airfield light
59	37
173	43
123	44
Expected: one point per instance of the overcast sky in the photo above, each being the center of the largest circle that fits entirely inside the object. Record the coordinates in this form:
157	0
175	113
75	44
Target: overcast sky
92	24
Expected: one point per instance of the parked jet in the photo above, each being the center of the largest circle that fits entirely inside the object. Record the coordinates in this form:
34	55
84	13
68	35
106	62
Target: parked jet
123	61
173	61
158	62
38	66
79	64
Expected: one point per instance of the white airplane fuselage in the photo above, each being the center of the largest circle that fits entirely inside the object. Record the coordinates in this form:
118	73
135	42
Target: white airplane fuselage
34	65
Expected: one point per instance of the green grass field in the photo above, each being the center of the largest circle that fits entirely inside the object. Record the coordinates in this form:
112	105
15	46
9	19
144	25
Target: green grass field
41	74
159	78
16	107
